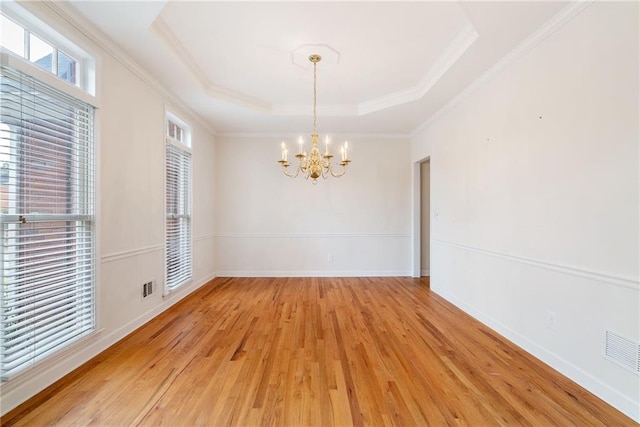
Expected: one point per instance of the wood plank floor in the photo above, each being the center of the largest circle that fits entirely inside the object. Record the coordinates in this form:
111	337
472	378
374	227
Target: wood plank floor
314	352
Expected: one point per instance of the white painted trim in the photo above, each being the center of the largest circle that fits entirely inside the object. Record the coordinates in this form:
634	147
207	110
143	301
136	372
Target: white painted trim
32	372
309	235
116	256
206	280
425	273
586	380
416	254
557	21
274	273
185	287
98	38
165	34
60	367
600	277
355	136
21	64
307	110
204	237
452	53
87	61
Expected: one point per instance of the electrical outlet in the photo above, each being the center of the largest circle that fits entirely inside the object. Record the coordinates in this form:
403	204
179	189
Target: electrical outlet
330	258
552	320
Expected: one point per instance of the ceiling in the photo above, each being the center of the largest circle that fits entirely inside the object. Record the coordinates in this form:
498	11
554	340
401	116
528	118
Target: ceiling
387	66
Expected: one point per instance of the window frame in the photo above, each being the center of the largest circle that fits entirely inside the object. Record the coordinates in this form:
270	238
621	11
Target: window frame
85	62
182	144
84	194
68	40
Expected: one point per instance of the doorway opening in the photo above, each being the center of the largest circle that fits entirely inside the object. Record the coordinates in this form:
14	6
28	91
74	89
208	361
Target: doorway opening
421	219
425	221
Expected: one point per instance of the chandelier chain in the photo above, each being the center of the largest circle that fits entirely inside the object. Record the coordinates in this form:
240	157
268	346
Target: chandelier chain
315	125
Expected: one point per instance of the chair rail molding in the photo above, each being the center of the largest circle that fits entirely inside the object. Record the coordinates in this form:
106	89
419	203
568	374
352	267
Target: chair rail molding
611	279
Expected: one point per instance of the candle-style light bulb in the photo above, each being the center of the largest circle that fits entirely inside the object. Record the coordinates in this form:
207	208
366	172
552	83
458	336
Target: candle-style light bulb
346	147
342	152
326	142
300	142
283	147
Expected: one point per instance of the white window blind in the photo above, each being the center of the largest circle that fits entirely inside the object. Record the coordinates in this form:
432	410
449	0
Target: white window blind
178	214
47	299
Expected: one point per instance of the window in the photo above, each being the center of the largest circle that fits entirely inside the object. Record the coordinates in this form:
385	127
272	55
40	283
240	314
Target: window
174	131
40	50
47	298
178	204
12	36
41	53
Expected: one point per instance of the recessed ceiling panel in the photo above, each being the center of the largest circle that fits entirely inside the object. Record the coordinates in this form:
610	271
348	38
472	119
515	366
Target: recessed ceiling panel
246	47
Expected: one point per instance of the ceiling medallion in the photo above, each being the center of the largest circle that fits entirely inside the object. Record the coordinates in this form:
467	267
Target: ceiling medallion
315	164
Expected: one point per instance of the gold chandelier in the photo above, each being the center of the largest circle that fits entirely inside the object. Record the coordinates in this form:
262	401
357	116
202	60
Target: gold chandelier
315	164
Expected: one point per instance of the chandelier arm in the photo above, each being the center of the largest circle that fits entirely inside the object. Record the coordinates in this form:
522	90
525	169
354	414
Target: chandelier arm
338	175
326	167
306	171
290	175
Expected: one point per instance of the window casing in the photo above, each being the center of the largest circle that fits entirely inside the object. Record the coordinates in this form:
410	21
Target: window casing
47	221
178	256
24	36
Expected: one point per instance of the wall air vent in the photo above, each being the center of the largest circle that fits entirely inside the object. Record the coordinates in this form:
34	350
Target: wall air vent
147	289
622	351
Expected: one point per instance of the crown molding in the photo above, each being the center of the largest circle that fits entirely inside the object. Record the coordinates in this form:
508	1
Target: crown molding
557	21
103	42
458	46
166	36
307	110
292	136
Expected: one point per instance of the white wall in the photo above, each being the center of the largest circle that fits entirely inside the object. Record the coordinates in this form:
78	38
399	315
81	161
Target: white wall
270	225
130	138
535	179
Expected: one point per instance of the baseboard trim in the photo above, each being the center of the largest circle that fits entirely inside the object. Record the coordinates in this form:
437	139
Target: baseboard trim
308	235
425	272
621	402
387	273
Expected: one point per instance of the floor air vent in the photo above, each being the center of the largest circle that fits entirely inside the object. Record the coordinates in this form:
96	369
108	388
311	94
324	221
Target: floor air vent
622	351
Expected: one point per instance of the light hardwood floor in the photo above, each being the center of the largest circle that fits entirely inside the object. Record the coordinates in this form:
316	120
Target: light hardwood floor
314	352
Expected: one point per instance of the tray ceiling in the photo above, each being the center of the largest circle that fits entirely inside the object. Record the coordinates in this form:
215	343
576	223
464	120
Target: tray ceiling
388	66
